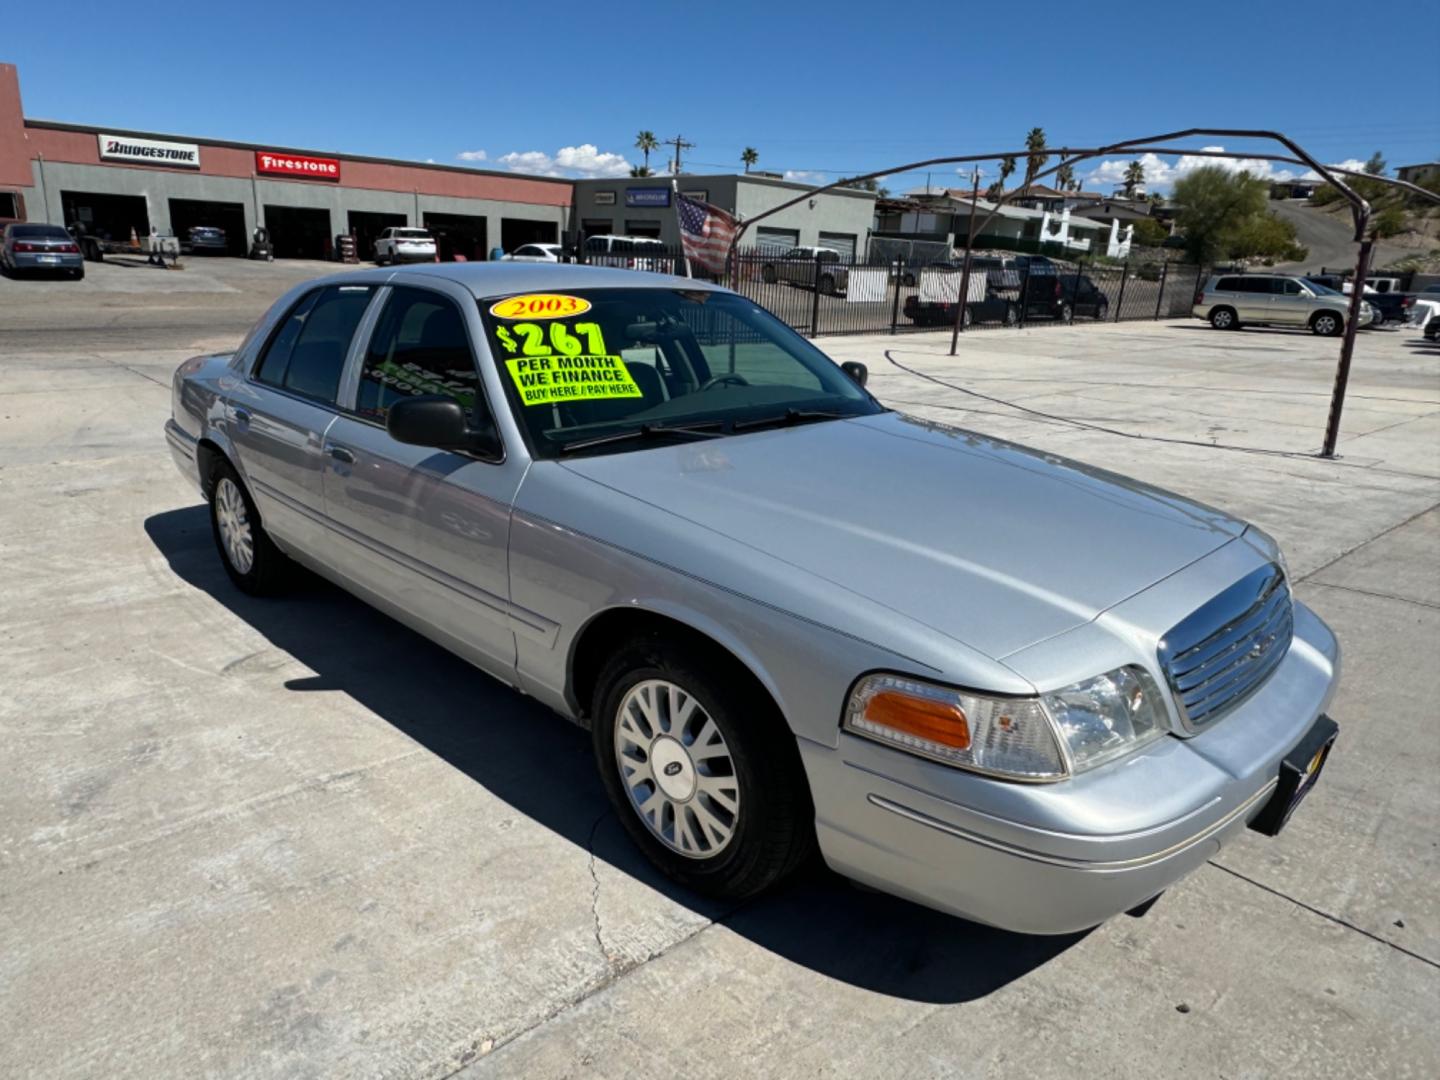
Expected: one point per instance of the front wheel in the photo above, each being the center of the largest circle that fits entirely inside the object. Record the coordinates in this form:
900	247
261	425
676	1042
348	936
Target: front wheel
701	768
1327	324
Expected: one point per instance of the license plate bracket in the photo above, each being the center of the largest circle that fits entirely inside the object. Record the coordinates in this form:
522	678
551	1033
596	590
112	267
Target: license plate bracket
1299	770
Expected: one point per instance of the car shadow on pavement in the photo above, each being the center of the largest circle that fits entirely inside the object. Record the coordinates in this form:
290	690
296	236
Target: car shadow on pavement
541	765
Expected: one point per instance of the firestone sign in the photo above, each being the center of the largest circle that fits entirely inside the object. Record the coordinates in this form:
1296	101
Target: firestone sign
301	165
148	151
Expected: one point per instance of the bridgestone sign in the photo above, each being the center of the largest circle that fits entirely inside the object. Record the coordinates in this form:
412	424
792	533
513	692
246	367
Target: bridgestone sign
149	152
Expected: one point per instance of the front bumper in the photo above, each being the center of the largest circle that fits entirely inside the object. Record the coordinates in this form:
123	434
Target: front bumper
1058	858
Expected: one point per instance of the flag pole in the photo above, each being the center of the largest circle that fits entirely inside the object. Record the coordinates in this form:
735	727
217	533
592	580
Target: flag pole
679	228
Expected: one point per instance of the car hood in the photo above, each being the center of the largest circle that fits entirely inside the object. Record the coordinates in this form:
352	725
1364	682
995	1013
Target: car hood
989	543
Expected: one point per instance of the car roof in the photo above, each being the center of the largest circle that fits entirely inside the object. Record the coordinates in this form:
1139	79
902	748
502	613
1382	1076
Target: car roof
502	278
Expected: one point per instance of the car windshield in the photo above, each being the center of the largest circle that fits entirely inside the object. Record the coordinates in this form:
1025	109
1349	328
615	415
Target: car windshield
594	362
1320	290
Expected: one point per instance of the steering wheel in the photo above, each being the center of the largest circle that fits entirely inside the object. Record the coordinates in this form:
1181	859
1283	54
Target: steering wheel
728	379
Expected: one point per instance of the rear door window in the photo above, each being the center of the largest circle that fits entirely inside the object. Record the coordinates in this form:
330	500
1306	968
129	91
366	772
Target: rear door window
307	354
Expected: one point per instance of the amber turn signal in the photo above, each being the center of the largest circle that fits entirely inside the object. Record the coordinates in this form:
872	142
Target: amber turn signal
935	721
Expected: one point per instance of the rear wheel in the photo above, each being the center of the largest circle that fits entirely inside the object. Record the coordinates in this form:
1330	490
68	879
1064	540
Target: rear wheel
827	284
252	560
767	274
78	273
700	767
1327	324
1223	318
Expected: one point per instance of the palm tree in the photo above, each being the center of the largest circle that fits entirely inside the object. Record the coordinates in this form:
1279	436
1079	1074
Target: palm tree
749	156
639	170
645	142
1007	166
1065	178
1036	158
1134	177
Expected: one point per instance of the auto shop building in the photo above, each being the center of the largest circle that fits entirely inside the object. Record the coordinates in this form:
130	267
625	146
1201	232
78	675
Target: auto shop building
111	182
643	206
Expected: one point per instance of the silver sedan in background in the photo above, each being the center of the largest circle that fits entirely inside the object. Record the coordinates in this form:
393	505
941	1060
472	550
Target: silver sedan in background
1004	684
33	248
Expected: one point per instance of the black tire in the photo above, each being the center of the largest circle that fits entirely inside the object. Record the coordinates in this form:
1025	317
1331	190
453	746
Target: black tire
269	568
379	259
773	832
767	274
1327	324
78	274
1012	315
827	284
1223	318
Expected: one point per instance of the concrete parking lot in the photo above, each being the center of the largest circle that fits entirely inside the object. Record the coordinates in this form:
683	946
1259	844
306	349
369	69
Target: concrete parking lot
291	838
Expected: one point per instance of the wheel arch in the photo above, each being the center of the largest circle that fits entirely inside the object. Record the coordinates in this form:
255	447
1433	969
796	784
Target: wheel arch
598	638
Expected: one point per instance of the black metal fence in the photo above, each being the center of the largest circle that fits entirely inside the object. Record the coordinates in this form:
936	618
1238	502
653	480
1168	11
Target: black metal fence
826	293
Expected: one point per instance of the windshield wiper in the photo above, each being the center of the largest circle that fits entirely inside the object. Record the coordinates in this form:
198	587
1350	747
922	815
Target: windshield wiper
789	417
705	429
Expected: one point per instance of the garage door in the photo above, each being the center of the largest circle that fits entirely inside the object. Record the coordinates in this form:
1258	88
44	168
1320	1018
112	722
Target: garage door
844	243
458	234
299	232
776	239
517	231
111	217
185	214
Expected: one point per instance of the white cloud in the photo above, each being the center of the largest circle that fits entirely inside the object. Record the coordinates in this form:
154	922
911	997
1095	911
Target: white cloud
472	155
805	176
1160	173
584	161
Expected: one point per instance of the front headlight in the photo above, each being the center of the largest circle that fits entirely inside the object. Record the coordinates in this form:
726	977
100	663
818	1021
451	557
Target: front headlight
1107	716
1036	739
1010	737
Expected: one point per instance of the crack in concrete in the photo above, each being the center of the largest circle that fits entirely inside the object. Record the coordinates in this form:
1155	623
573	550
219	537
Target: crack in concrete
1336	919
1365	543
1377	595
595	893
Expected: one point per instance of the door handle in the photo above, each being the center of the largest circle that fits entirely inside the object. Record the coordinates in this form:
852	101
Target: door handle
242	416
339	453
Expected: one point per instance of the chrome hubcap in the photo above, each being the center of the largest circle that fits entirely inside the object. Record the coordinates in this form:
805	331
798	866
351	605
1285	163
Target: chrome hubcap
677	769
234	522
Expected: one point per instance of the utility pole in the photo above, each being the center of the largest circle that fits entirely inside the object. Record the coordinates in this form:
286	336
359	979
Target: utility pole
680	144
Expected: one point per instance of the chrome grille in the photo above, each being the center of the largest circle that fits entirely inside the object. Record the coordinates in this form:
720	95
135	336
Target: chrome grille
1225	649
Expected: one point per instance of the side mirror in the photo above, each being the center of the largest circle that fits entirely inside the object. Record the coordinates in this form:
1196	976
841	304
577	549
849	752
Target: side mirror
857	371
438	421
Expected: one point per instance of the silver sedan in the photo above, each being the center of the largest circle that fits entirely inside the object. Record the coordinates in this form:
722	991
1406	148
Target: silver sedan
39	248
1004	684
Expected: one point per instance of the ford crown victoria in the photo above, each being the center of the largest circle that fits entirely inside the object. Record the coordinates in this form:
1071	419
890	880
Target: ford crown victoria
998	682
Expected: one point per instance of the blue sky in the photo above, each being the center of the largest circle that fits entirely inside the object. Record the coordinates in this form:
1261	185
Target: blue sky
821	90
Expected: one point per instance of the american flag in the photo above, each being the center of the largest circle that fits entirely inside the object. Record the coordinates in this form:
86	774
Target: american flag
705	232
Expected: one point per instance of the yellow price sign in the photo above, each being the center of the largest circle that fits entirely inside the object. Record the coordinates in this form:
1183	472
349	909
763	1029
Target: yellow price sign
549	380
539	306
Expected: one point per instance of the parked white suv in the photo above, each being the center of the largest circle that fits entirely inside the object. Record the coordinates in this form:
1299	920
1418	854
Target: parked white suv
1230	301
400	245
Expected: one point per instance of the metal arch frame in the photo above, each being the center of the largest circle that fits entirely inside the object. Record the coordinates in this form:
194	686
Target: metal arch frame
1359	209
